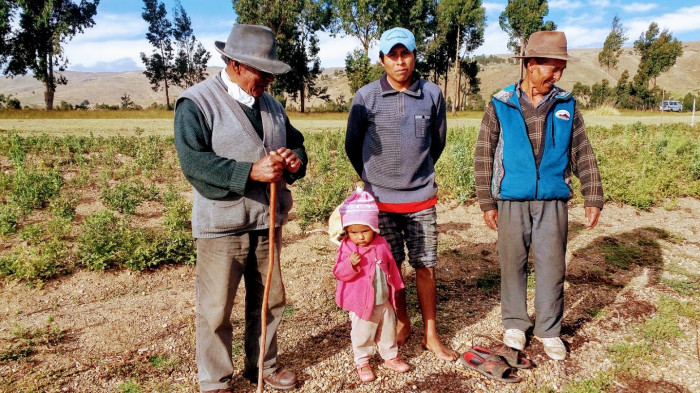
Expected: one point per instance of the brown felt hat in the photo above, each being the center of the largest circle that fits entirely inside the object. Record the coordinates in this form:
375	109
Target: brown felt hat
253	46
547	44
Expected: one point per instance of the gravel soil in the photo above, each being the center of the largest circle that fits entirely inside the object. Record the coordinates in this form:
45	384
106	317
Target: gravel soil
129	332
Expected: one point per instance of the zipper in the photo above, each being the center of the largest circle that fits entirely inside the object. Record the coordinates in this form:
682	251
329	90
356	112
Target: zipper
551	126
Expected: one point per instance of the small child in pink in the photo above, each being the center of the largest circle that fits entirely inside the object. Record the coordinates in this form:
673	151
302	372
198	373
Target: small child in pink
368	278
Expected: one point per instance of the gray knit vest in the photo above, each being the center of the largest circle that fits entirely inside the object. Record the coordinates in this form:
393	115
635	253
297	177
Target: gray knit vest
234	137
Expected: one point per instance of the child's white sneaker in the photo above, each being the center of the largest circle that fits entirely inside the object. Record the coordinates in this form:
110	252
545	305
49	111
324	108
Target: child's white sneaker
514	338
553	347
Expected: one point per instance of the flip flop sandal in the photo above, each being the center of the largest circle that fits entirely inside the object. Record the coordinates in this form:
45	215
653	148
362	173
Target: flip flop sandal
513	357
491	366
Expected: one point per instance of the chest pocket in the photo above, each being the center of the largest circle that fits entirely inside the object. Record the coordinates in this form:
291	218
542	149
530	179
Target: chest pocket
422	124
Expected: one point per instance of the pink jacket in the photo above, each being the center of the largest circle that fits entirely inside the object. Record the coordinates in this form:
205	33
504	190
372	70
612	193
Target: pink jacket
355	291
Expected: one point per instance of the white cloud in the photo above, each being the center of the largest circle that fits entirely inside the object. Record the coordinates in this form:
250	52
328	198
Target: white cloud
114	26
90	53
565	5
584	37
584	19
333	50
492	7
684	20
638	7
495	41
599	3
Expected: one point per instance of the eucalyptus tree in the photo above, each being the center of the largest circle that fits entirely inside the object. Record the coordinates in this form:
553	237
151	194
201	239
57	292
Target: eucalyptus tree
160	65
362	19
295	24
520	19
658	51
612	48
35	43
467	18
191	58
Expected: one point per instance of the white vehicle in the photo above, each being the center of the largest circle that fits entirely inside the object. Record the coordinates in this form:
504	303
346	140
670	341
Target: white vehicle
671	105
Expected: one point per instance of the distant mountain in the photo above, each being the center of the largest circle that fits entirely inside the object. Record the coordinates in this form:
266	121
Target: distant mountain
109	87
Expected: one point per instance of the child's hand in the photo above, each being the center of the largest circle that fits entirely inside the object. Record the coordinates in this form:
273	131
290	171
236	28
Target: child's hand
355	258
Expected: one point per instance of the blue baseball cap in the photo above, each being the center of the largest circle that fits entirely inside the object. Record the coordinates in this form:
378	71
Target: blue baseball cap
395	36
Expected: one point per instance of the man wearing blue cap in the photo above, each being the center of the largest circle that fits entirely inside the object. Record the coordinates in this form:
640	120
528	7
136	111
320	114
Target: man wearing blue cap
396	132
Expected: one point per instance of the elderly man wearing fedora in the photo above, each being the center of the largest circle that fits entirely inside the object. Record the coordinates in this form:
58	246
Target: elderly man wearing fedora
532	138
233	139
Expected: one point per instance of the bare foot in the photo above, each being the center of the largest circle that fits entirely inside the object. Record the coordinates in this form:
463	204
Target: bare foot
403	331
440	350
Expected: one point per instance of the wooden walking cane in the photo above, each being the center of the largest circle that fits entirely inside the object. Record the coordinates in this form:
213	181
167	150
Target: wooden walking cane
268	279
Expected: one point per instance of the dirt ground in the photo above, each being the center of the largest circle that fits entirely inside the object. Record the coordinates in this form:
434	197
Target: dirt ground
116	325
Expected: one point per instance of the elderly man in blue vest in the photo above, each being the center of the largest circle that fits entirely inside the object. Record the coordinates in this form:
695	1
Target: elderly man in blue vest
532	139
234	139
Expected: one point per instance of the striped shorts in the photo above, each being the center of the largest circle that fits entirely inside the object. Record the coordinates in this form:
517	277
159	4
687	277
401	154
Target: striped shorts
415	231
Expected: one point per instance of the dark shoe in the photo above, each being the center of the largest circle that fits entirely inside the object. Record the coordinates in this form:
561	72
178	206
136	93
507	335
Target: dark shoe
218	391
281	379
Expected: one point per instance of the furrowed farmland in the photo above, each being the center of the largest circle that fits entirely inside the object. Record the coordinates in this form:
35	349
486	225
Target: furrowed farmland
97	264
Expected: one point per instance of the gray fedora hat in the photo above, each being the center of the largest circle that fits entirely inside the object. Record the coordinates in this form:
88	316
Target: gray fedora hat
547	44
253	46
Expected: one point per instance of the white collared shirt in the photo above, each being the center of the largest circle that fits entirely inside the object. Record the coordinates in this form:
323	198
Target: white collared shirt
236	92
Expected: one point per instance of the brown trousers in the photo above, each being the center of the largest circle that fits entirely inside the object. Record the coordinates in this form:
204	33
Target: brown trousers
221	263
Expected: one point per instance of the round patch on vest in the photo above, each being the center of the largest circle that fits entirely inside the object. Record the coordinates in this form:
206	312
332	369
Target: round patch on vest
563	114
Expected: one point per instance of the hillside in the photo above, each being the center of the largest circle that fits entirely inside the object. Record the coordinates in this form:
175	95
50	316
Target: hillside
108	87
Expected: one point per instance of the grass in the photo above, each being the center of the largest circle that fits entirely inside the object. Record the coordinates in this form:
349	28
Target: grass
44	178
25	342
643	165
685	287
78	114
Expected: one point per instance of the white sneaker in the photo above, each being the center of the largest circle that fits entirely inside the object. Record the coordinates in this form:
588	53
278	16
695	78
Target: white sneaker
514	338
553	347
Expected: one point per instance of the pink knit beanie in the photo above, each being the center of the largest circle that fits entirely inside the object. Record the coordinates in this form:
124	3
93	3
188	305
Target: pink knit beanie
360	208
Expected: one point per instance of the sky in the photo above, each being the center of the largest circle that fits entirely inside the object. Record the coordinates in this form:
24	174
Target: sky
119	36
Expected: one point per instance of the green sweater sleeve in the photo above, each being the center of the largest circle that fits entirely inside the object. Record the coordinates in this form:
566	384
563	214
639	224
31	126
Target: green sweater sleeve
213	176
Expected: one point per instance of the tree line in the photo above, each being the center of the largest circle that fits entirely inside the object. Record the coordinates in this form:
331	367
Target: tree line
447	34
658	52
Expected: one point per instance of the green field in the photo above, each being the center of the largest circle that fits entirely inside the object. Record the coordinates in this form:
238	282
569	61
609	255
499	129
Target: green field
104	193
106	123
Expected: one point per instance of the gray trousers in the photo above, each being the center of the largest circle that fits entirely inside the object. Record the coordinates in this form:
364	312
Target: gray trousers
542	226
221	262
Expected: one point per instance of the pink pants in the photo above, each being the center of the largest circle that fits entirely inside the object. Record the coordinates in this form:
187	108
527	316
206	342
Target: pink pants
380	329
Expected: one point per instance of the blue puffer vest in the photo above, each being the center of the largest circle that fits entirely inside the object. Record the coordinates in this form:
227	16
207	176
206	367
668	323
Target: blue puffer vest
515	174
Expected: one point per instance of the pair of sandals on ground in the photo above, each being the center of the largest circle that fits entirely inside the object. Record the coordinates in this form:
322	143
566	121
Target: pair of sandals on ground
501	362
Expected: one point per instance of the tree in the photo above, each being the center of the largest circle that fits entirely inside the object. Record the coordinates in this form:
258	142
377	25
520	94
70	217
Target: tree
295	24
467	17
415	15
361	19
688	101
582	93
601	94
359	70
160	66
658	51
191	59
520	19
6	9
612	48
35	43
623	91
